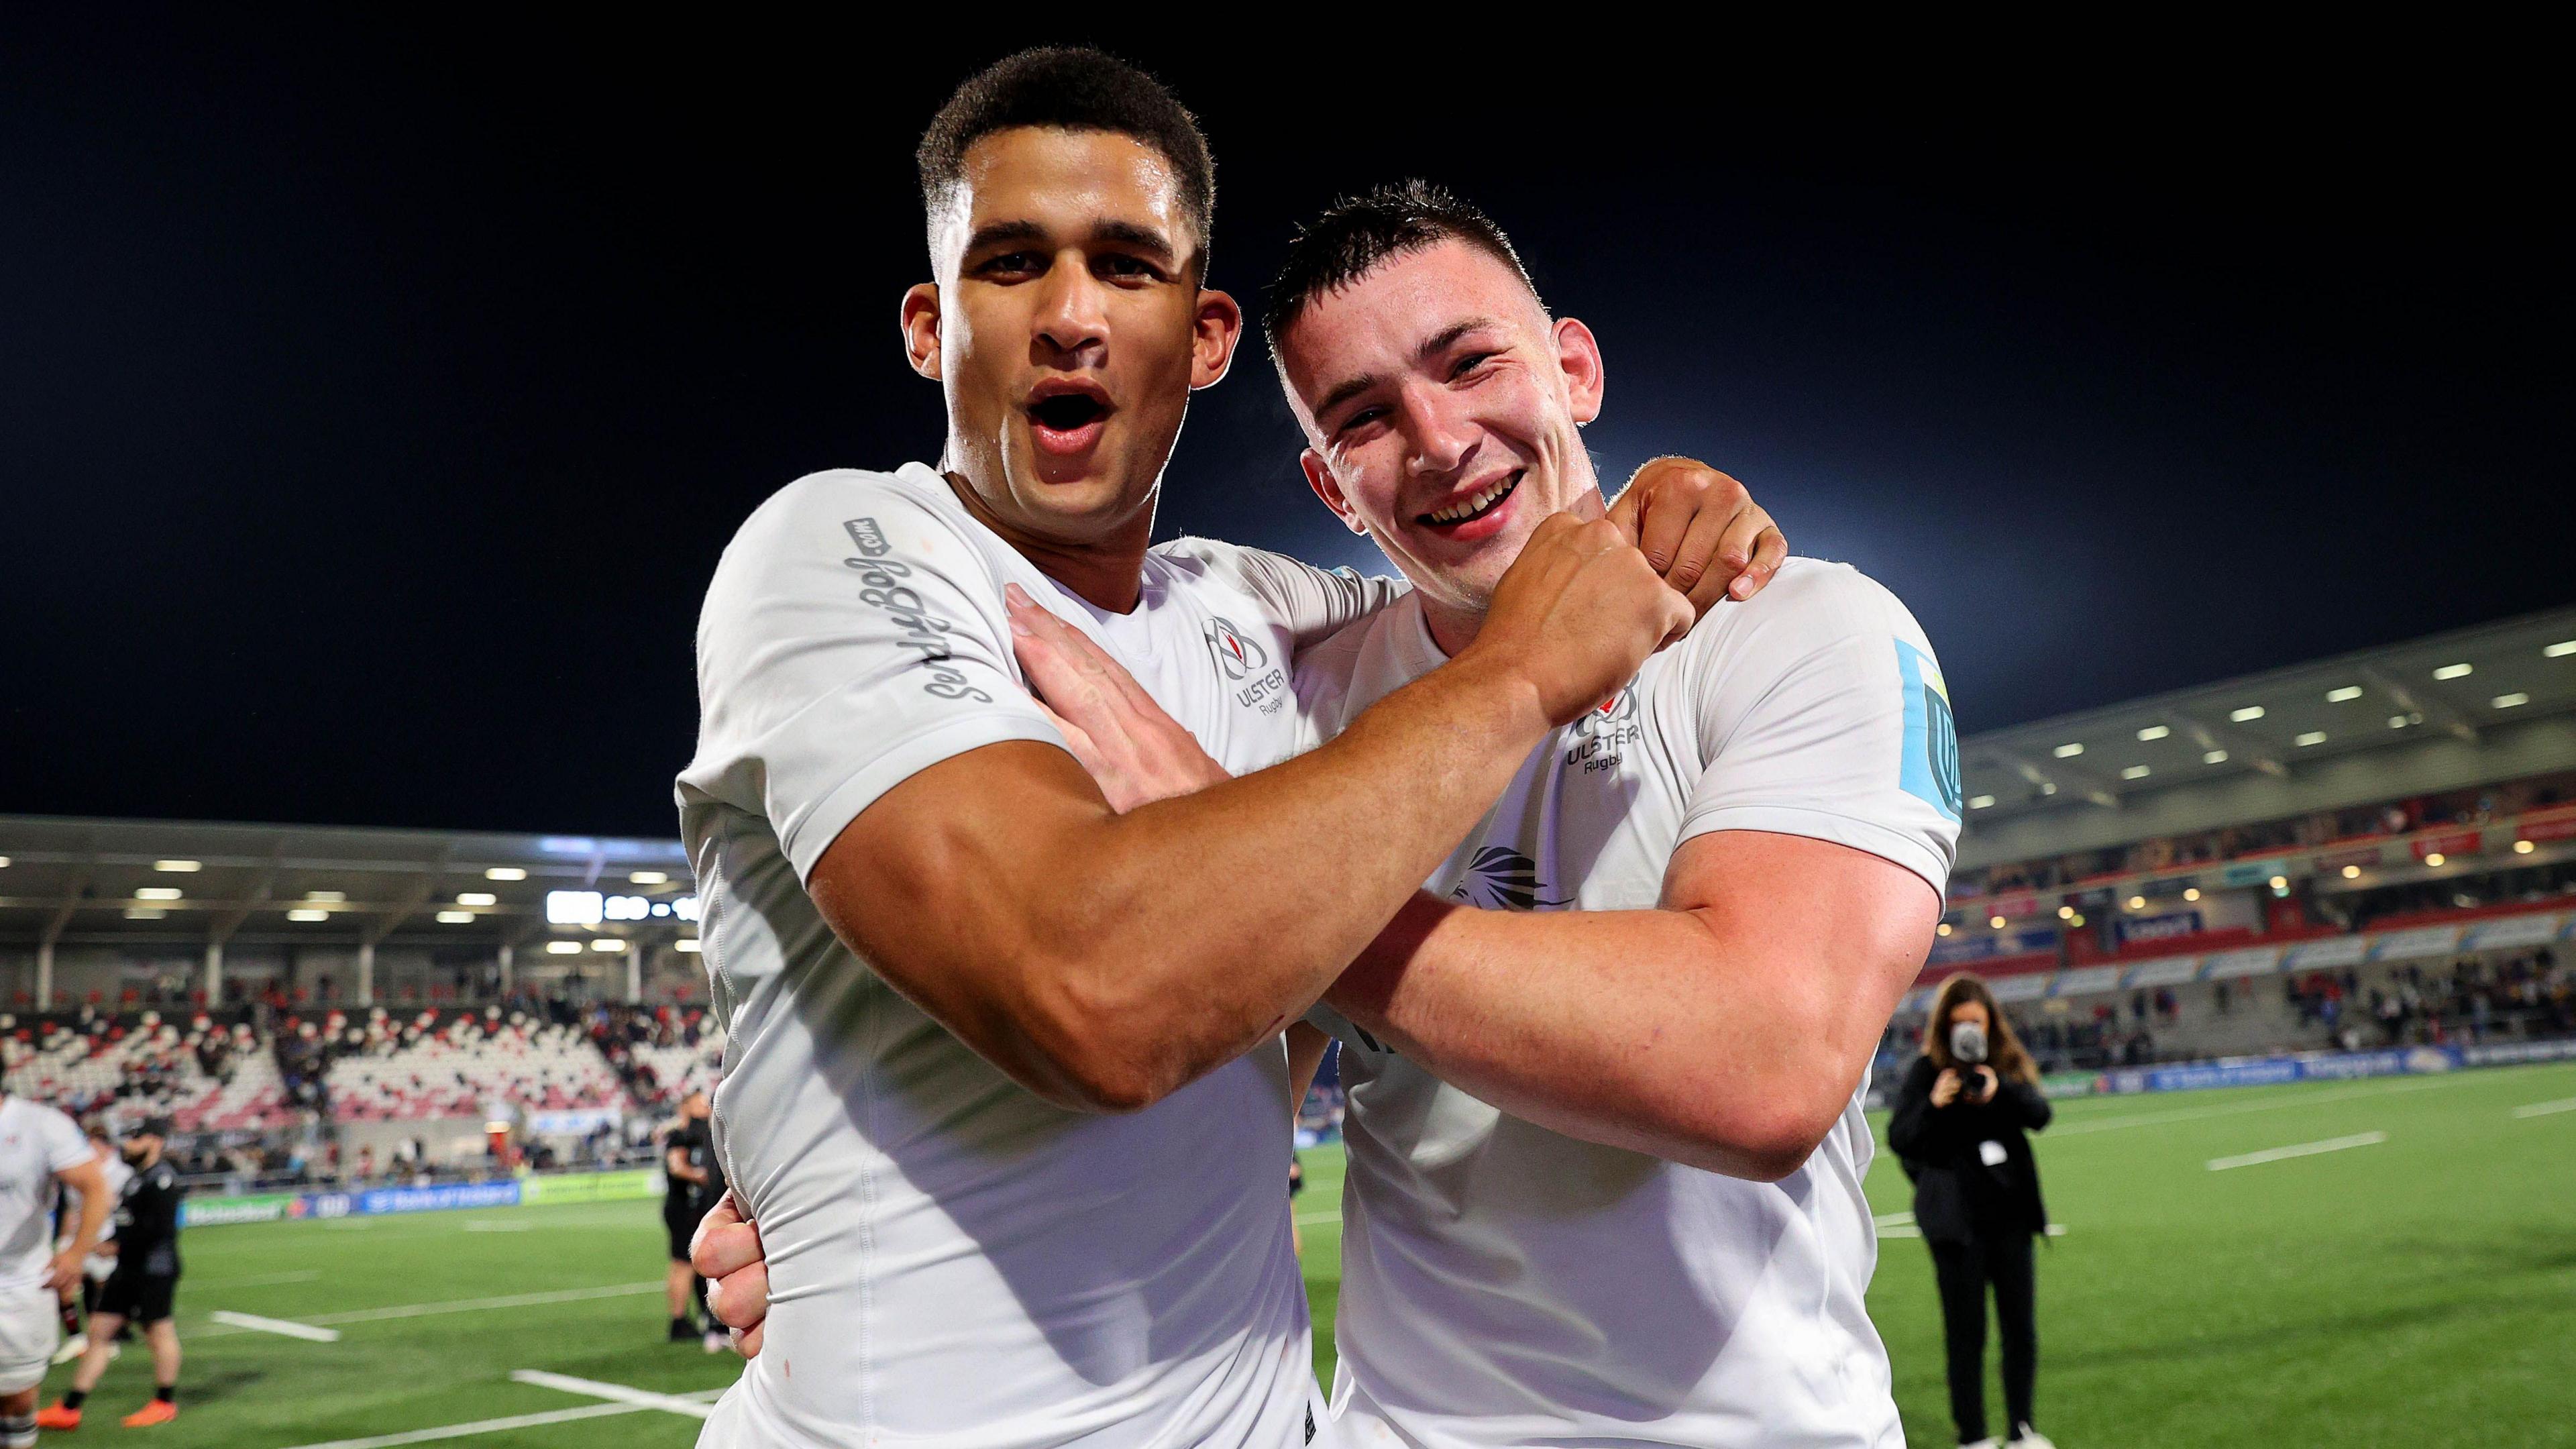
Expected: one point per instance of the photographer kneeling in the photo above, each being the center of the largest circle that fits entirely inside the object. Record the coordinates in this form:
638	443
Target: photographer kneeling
1958	1128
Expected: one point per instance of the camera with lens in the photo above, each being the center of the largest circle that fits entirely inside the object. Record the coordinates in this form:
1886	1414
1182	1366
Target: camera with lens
1968	1049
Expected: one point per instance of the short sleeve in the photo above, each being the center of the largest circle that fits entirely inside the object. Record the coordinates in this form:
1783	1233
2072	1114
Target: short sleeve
852	637
66	1146
1313	603
1824	714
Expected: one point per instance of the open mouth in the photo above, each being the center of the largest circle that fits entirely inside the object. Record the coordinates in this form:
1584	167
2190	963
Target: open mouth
1068	417
1476	505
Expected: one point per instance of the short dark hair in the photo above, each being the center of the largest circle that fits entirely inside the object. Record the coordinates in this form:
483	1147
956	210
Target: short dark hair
1356	233
1070	88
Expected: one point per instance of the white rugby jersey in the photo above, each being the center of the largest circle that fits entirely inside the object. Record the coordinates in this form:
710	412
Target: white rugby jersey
951	1259
36	1141
1503	1284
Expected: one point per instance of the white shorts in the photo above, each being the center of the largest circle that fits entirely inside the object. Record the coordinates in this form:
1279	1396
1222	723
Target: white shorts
30	1331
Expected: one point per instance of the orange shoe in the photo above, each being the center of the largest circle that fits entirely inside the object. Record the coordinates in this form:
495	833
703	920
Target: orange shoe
159	1411
55	1416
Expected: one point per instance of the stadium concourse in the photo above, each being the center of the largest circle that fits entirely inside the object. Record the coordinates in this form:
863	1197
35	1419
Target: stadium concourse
2359	868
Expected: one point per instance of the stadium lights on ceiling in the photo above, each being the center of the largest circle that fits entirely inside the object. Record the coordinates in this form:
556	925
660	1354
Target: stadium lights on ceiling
562	948
1942	929
2191	893
158	893
2344	695
1995	921
607	943
2436	858
2352	872
455	918
2515	700
575	908
2559	650
648	877
2213	757
308	915
2154	732
2247	715
144	913
690	943
2280	885
2522	847
2312	737
2137	903
505	872
2135	772
2068	751
331	897
178	867
477	898
2076	920
2397	721
2455	671
1975	802
4	862
2066	913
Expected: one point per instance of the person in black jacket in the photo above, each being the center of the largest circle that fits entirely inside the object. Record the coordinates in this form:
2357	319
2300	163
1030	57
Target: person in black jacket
1959	1128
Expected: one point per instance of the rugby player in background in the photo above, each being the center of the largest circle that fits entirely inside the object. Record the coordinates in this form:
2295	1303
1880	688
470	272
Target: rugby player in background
688	1168
1004	1080
102	1258
40	1152
1604	1076
143	1286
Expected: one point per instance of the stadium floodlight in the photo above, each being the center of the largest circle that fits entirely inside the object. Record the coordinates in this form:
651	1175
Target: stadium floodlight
158	893
1995	921
2352	872
562	948
2522	847
2344	695
2436	858
627	908
2247	715
178	867
505	872
2154	732
2136	772
2069	750
2312	737
2515	700
477	898
308	914
1981	802
2397	721
2191	893
2455	671
690	943
1942	929
648	877
4	862
2213	757
2559	650
2280	885
607	943
2137	903
2066	913
455	918
575	908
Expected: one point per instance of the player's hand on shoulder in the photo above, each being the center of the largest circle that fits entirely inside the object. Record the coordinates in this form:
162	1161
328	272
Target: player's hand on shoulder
1576	614
1701	530
726	1252
1135	752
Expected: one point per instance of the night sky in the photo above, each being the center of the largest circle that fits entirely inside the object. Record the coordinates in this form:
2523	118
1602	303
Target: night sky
376	396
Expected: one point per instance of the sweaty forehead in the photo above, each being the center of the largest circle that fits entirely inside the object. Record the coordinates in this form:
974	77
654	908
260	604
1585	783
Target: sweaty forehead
1387	317
1065	183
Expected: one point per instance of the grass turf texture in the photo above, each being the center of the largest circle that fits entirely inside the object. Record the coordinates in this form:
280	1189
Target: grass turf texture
2419	1292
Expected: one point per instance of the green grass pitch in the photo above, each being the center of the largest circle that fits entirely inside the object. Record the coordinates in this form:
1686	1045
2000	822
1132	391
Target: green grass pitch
2416	1292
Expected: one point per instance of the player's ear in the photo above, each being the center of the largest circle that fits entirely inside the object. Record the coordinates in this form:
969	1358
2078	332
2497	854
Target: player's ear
1214	331
1578	355
1320	478
920	320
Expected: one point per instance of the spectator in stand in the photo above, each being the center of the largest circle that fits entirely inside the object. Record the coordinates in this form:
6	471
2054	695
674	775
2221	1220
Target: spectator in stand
1960	1128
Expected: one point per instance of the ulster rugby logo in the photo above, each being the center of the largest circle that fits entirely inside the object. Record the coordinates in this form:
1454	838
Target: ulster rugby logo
1502	879
1236	656
1608	715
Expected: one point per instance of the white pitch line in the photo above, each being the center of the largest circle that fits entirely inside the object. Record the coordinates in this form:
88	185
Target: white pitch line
283	1327
2302	1149
2543	1109
615	1393
495	1426
1308	1220
1893	1220
474	1305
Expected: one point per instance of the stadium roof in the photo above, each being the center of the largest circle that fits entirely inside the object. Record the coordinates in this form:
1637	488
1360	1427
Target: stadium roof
2448	711
138	881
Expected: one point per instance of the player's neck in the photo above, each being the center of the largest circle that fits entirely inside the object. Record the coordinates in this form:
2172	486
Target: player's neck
1454	623
1109	573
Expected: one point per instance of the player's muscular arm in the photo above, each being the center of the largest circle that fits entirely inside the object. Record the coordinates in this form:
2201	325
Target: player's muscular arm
1104	959
1725	1029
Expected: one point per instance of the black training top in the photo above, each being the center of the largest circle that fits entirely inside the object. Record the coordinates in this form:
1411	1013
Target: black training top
698	1149
147	1221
